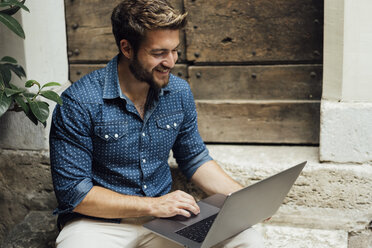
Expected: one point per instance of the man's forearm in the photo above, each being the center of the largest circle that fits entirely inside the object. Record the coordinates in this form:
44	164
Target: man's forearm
105	203
212	179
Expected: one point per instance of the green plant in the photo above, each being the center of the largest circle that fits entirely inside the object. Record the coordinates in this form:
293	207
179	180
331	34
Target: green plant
13	98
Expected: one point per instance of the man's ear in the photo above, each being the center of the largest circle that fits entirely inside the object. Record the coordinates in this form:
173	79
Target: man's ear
126	49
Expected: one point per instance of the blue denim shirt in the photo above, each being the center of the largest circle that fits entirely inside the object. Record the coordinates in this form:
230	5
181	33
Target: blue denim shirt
98	138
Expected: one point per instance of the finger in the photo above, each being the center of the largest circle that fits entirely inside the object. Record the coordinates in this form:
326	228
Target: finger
190	205
189	208
187	198
184	198
195	209
184	213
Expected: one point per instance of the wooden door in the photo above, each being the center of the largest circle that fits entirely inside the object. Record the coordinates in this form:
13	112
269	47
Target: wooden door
254	66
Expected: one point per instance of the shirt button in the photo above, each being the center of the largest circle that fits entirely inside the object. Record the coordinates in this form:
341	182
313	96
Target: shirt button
144	160
144	186
116	135
175	124
106	136
143	134
168	126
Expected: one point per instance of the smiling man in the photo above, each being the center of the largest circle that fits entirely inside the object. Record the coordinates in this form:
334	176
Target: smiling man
110	141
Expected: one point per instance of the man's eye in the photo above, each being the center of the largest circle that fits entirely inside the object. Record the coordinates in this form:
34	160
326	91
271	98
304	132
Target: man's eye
158	54
165	53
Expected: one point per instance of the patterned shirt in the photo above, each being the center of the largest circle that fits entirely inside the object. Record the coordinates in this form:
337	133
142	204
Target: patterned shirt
98	138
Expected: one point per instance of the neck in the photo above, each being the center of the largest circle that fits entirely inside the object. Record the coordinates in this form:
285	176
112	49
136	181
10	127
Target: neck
135	90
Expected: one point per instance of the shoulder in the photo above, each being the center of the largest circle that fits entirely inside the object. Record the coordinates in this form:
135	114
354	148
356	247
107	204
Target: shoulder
178	85
88	89
180	89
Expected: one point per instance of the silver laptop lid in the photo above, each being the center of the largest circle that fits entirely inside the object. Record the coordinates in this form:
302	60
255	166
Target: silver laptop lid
261	201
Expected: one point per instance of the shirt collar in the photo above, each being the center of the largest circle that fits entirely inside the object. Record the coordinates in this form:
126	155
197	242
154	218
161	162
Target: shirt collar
111	87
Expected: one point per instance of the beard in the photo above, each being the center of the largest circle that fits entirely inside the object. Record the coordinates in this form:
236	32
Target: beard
141	74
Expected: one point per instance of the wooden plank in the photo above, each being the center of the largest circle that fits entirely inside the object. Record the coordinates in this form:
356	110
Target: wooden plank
293	122
89	32
277	82
255	30
180	70
79	70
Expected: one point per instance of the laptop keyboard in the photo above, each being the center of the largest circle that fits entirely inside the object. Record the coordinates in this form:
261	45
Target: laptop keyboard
197	231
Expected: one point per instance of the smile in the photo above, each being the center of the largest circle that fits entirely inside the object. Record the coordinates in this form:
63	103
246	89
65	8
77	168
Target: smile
163	70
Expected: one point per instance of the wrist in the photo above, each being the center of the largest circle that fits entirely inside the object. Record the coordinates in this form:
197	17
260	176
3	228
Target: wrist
150	206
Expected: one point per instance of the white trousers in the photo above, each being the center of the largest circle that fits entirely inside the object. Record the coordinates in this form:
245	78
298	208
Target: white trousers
88	233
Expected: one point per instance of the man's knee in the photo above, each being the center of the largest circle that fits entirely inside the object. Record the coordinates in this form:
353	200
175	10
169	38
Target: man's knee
91	233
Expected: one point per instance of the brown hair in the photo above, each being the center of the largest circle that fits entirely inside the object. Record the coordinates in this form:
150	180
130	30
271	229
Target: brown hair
131	18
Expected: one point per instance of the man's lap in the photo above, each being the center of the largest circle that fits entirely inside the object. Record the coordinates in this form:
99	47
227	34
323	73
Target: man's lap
92	233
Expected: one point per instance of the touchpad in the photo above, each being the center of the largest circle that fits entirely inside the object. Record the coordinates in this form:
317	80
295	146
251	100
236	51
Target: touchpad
206	210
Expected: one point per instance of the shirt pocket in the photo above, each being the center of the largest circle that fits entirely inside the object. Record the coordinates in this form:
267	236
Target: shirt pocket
170	122
167	130
111	132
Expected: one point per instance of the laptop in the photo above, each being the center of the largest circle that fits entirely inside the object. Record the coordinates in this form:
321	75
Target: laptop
222	217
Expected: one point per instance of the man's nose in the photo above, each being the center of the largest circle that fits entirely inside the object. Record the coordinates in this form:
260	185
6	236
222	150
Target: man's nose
170	60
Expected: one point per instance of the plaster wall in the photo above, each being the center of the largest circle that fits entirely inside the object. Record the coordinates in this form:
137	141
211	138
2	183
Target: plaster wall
44	57
347	50
357	73
346	107
333	49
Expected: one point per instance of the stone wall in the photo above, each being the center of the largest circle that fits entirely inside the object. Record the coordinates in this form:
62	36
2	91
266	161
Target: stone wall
25	186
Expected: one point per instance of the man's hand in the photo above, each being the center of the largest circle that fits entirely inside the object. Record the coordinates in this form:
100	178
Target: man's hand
174	203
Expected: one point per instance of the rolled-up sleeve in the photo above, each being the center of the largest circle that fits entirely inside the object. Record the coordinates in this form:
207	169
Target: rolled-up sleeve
189	149
70	154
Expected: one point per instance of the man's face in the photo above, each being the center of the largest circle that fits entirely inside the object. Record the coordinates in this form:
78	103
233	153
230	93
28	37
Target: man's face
155	58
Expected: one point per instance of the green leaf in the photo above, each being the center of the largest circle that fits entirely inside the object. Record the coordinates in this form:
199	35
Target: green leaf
32	117
20	101
31	83
40	110
6	74
2	84
51	95
11	92
50	84
29	94
4	102
12	24
14	3
12	10
26	108
17	69
8	59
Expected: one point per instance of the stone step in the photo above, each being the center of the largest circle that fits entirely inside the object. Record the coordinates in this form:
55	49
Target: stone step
327	199
38	230
295	237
